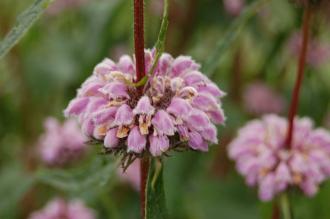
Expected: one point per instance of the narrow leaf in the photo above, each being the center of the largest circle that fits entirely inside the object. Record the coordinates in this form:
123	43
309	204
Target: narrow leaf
230	36
160	44
23	23
155	203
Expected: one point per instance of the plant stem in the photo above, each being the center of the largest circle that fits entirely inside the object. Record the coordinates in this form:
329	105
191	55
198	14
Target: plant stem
285	206
139	38
300	75
276	210
144	170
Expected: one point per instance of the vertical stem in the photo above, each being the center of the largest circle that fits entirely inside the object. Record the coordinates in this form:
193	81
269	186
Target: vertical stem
300	74
276	210
140	73
285	206
144	170
139	38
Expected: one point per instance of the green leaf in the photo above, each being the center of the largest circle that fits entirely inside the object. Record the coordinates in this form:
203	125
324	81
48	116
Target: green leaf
90	177
24	21
13	186
160	44
230	36
285	206
155	195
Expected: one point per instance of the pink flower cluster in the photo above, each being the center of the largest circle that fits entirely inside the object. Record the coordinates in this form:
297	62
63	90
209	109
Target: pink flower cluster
179	104
60	5
260	99
318	53
61	144
265	161
234	7
131	175
60	209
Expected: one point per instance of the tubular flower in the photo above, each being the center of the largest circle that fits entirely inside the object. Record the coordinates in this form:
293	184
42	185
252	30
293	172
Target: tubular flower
318	52
59	208
61	144
264	160
131	175
61	5
260	99
234	7
179	104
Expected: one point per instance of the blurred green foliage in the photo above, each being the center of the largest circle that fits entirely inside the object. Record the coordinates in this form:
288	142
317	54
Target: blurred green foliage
41	74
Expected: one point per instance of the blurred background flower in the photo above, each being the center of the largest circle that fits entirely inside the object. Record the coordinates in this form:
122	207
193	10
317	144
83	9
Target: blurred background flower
60	209
260	99
265	161
61	144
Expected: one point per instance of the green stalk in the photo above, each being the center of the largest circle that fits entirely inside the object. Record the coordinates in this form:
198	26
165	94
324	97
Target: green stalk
285	206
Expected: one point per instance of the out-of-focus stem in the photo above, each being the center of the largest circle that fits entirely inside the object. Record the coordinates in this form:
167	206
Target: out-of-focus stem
139	39
300	75
276	210
285	206
144	170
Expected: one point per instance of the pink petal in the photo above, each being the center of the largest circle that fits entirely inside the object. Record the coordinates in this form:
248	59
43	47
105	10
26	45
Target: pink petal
111	140
144	107
196	142
158	145
76	106
136	142
163	123
124	115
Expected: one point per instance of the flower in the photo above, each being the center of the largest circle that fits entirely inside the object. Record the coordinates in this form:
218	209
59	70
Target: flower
131	175
60	5
59	209
260	99
61	144
318	53
265	161
179	104
234	7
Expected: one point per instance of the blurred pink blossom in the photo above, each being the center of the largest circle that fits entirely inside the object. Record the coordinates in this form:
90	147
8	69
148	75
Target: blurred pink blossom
60	209
318	53
263	159
260	99
131	175
61	144
234	7
179	105
60	5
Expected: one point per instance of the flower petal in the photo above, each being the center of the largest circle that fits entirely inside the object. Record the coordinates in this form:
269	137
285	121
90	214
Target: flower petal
124	115
110	140
136	142
144	107
76	106
163	123
196	142
158	145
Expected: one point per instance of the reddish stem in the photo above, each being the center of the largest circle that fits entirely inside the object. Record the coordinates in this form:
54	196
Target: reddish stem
140	73
139	39
144	169
300	75
276	211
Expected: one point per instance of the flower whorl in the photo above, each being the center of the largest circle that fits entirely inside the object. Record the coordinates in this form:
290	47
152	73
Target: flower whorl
265	161
61	144
179	104
58	208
